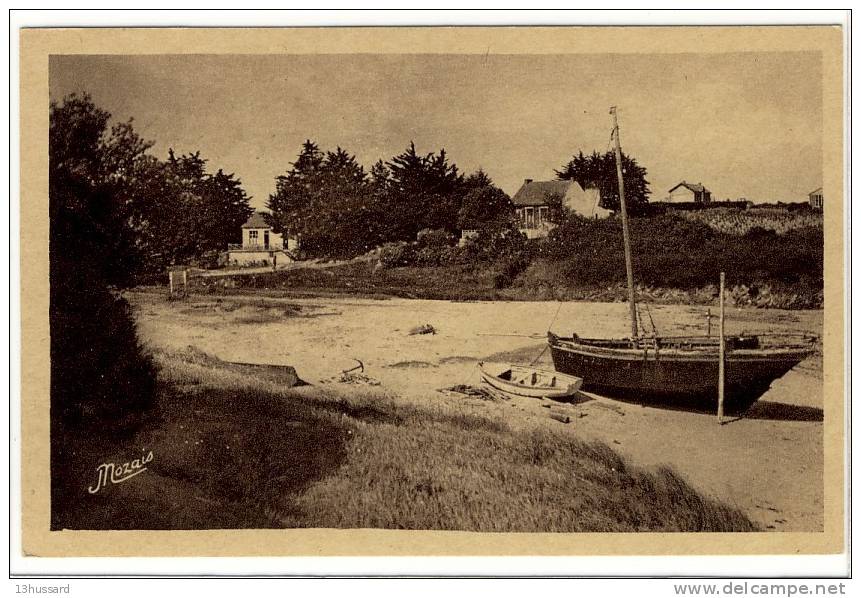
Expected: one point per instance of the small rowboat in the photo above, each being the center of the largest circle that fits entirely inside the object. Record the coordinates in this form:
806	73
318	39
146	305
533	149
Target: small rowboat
528	381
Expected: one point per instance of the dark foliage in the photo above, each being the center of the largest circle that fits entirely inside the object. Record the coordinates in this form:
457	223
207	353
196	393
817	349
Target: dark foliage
509	268
338	210
484	206
98	369
670	251
396	254
434	238
424	191
330	203
116	213
599	170
101	379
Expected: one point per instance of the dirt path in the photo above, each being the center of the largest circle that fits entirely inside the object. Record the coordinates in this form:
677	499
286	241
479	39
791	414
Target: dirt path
769	464
313	264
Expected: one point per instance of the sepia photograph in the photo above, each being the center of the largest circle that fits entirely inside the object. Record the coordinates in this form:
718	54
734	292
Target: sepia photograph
488	291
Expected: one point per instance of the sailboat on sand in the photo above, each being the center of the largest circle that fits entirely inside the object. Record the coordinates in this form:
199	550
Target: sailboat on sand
677	370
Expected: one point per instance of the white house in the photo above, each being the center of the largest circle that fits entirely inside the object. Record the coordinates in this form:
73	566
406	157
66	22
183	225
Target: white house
261	245
531	204
815	198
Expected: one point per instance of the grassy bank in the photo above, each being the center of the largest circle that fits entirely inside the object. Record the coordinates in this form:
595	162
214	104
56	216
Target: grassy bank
677	260
543	280
232	451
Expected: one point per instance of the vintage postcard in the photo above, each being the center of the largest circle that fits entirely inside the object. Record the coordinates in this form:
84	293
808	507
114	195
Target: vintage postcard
433	291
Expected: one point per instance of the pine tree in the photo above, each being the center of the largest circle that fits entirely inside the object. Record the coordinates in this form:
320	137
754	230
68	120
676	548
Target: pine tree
599	170
424	192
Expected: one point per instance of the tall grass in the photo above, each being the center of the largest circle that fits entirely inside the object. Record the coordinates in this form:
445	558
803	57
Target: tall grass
430	475
740	222
231	451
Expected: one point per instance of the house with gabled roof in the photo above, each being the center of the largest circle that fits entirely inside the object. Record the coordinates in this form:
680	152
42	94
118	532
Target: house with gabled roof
815	199
686	192
532	204
261	245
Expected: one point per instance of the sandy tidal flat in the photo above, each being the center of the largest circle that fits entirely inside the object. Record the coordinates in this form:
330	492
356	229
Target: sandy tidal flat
769	463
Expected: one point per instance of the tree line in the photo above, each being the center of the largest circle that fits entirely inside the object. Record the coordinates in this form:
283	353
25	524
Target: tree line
328	200
134	215
129	213
117	214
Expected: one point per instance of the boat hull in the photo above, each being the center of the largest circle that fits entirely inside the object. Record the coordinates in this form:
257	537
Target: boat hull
566	385
685	379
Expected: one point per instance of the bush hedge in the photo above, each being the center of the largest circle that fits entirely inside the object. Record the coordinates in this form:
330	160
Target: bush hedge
670	251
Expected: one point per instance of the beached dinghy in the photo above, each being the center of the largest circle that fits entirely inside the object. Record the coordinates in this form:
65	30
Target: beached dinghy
528	381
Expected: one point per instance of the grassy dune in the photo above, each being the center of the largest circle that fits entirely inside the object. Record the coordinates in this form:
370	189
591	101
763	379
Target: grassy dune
232	451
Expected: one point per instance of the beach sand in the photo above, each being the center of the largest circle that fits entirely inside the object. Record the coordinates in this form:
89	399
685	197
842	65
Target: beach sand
768	464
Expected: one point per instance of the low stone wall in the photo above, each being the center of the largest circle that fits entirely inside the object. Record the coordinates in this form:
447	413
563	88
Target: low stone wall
257	258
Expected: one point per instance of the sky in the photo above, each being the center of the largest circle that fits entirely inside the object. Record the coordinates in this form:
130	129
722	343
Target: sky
744	124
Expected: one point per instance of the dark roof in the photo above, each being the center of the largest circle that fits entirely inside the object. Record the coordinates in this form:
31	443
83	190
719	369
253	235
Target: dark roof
536	193
256	221
697	188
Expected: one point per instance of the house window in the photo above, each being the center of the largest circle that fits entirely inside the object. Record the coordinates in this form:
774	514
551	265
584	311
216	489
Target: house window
530	217
252	237
542	215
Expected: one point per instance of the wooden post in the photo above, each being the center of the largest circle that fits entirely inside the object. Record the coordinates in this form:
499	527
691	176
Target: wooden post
170	281
721	353
184	282
709	319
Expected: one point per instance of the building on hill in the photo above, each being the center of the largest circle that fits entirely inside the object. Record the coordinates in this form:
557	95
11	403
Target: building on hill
532	204
815	199
261	245
686	192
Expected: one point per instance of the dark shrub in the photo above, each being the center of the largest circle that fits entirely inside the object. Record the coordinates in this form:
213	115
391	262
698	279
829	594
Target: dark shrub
396	254
496	242
99	371
671	251
434	238
509	268
427	256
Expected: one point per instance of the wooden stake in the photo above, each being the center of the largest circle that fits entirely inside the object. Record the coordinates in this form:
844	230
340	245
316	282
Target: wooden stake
170	281
709	319
721	353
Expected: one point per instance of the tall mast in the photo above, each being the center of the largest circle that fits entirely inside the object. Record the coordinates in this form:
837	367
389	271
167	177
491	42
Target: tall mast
629	269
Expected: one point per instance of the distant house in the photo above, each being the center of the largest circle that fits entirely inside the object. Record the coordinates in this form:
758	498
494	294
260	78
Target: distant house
261	245
815	199
532	204
689	192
